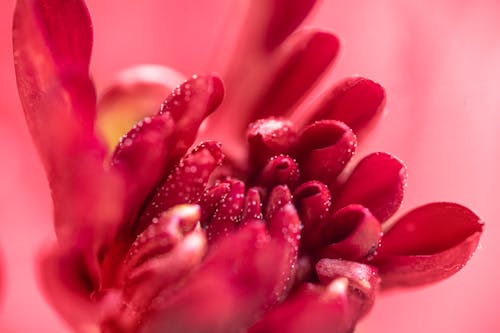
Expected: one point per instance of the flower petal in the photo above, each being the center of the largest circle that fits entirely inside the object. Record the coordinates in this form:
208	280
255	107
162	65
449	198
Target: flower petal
185	184
312	309
313	202
325	147
279	197
52	42
355	101
351	233
364	280
253	206
137	93
377	183
270	137
189	104
279	170
428	244
228	292
302	60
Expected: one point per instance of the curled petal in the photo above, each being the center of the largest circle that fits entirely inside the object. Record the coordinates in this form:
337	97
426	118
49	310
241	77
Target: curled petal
161	274
351	233
355	101
228	292
428	244
363	279
185	184
159	238
189	104
270	137
312	309
377	182
137	93
279	170
229	212
300	64
325	147
313	202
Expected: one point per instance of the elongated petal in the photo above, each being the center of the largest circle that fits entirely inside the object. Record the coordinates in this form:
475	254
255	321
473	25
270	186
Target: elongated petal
304	58
189	104
253	206
355	101
279	197
363	279
352	233
228	292
52	42
428	244
377	183
211	199
312	309
325	147
137	93
185	184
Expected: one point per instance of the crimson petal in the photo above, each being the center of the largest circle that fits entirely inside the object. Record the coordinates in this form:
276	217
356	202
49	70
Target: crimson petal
312	309
279	170
377	182
305	57
186	182
325	147
428	244
364	280
351	233
355	101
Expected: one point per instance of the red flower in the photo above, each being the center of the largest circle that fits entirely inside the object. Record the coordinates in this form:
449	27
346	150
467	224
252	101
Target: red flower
159	235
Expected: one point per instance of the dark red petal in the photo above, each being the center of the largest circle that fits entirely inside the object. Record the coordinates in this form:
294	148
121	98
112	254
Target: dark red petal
428	244
185	184
303	59
284	17
188	105
228	292
325	147
313	201
351	233
229	212
137	93
141	157
377	182
312	309
211	199
279	197
364	280
285	228
355	101
253	206
160	237
279	170
270	137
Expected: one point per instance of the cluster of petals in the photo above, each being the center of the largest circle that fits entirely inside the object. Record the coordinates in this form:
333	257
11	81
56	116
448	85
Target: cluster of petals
250	218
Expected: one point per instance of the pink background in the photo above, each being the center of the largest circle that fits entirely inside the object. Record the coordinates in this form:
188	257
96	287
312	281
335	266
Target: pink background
440	64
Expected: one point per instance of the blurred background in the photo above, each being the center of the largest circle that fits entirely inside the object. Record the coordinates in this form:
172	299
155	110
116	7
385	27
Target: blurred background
440	64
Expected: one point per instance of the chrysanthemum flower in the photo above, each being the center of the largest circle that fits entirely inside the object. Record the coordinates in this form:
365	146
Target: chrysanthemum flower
259	226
